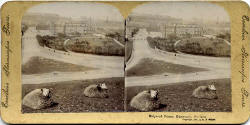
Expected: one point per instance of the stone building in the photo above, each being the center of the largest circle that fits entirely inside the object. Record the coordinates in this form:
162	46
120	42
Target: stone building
71	28
183	30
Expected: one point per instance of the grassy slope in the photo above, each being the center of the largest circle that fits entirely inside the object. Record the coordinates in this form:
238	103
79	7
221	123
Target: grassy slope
147	67
94	43
70	98
163	44
177	96
38	65
221	49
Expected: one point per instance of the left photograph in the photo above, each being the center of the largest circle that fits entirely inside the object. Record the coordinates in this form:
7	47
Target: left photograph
72	58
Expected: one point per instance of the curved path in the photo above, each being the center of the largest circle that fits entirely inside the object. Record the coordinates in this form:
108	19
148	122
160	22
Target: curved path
32	48
107	66
65	44
218	67
118	42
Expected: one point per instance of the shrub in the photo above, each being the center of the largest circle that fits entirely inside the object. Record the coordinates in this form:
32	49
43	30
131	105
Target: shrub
161	43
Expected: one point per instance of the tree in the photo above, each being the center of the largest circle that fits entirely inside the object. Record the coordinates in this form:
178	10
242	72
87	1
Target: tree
98	50
40	40
209	51
188	35
222	36
134	31
172	36
228	37
24	28
61	35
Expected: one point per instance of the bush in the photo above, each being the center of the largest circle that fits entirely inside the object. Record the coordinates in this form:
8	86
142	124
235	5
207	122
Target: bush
61	35
51	42
134	31
162	43
116	35
225	36
24	28
108	48
204	46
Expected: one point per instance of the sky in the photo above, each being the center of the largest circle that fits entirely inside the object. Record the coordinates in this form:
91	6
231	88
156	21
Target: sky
185	10
79	9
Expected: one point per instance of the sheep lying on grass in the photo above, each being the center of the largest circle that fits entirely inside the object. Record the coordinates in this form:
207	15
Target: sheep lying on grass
38	99
96	91
205	92
145	101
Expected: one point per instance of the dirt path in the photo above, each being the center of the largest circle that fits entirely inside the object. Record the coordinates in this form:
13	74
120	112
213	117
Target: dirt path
108	66
118	43
32	48
218	67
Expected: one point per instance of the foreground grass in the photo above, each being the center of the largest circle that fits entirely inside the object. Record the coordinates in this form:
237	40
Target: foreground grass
70	98
147	67
177	96
38	65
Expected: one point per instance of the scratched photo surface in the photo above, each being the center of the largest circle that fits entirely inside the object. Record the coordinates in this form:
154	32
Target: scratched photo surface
72	58
177	58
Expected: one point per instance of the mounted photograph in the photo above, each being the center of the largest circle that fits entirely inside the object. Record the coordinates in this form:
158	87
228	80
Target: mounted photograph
72	58
178	58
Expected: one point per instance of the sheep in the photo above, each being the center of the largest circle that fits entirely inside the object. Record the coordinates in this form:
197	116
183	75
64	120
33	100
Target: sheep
145	100
96	91
205	92
38	99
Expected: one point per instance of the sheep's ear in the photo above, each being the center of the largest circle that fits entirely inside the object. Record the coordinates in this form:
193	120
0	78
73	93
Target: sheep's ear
212	87
209	87
42	90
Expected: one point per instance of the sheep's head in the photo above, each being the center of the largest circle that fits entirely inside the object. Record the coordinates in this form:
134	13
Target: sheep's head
212	87
45	92
102	86
154	94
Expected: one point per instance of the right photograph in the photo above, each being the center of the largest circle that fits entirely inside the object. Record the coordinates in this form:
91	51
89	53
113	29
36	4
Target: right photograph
177	58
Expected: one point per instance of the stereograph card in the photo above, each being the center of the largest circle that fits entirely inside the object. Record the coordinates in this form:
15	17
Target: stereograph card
125	62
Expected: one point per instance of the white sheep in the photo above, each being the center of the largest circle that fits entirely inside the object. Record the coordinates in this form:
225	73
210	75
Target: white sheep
96	91
205	92
38	99
145	100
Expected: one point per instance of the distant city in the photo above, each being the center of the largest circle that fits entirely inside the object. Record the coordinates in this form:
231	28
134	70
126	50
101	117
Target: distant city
162	26
54	24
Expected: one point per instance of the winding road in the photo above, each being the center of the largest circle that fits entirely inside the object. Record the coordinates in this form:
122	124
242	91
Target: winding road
107	66
217	67
111	66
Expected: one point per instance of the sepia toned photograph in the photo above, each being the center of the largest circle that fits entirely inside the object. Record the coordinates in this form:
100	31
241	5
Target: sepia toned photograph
123	62
72	58
177	58
163	57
